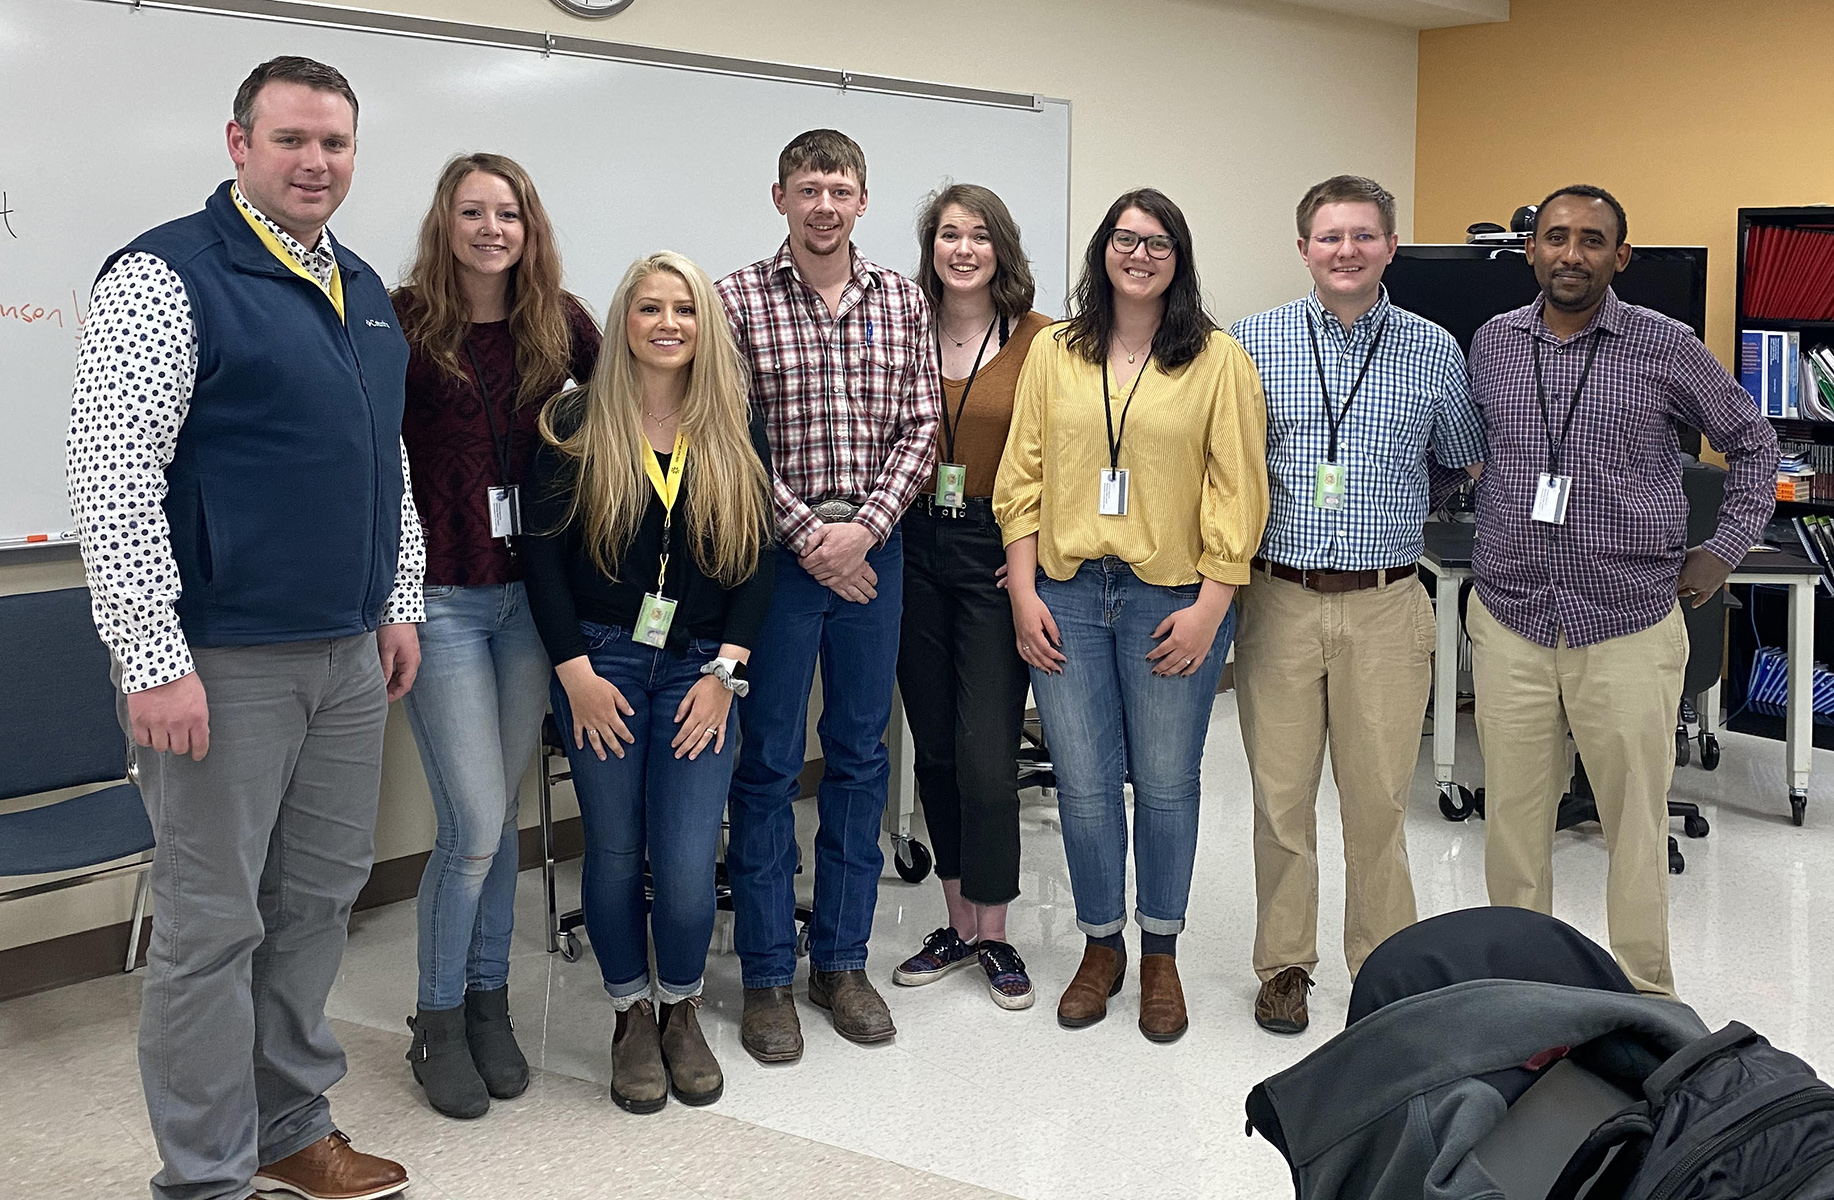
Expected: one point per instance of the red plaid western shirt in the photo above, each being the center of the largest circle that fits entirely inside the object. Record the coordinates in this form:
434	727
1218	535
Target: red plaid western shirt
850	401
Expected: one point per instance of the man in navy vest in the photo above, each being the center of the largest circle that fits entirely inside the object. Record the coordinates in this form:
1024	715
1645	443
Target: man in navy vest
236	473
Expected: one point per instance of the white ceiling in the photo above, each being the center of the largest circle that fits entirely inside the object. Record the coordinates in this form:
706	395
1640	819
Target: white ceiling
1419	14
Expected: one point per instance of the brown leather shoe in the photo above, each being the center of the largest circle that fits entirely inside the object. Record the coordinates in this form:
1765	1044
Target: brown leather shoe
1162	1015
1280	1008
770	1030
858	1010
1085	1001
331	1169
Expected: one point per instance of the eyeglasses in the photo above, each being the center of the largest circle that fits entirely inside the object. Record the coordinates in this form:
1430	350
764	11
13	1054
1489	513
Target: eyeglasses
1158	245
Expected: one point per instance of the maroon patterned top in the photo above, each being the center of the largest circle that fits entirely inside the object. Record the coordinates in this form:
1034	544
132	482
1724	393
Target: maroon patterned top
454	457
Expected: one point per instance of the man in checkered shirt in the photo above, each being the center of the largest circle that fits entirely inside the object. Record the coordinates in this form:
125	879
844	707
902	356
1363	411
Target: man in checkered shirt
1581	556
1335	636
844	372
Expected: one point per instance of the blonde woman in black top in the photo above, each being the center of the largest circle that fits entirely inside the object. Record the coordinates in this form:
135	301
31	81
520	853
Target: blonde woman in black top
650	574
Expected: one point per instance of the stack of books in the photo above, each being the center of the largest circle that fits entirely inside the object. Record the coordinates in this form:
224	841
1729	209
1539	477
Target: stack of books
1789	273
1805	471
1786	382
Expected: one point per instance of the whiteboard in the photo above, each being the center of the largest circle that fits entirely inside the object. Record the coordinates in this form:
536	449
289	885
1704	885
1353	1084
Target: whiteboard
116	119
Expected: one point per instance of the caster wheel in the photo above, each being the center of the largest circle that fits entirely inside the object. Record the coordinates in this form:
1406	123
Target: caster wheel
1456	802
1676	864
569	946
912	858
1709	752
1477	798
802	942
1684	748
1696	827
1798	809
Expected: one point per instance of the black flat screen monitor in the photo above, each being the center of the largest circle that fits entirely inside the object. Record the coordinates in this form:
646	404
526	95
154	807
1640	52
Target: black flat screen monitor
1461	287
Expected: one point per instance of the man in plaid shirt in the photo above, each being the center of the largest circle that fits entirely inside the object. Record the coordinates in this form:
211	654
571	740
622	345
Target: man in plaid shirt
844	372
1581	556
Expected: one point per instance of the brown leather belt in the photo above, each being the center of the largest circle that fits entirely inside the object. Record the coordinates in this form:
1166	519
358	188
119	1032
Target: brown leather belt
1333	581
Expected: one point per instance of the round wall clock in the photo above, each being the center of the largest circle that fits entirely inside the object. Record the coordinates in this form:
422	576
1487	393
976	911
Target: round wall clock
593	8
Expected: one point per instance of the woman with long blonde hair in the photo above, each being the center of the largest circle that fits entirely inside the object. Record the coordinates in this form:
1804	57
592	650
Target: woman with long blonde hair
650	574
492	336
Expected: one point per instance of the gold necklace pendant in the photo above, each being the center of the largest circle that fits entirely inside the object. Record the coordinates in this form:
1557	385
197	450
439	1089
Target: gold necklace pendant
1130	358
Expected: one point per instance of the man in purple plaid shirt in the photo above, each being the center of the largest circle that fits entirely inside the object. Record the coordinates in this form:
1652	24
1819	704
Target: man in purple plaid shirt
1581	556
844	372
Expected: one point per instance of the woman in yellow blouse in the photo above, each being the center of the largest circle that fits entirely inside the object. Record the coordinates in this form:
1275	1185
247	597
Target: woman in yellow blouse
1131	497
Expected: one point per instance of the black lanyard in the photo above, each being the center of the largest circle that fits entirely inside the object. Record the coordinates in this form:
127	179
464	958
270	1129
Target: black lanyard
948	430
1554	448
1114	439
1318	359
502	443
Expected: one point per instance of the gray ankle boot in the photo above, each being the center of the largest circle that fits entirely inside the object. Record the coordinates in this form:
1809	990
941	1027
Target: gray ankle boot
639	1084
694	1074
493	1043
442	1063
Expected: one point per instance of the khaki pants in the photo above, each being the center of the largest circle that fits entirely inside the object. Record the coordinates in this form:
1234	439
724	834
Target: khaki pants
1352	669
1618	698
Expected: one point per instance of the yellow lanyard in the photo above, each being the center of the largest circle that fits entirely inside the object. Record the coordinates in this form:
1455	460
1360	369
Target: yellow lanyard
333	293
666	491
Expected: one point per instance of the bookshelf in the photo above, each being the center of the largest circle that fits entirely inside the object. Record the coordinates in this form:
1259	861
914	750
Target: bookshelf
1762	622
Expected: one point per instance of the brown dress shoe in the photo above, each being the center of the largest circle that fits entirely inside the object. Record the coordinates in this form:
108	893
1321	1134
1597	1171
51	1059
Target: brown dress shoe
770	1031
1085	1001
1280	1008
858	1010
1162	1015
331	1169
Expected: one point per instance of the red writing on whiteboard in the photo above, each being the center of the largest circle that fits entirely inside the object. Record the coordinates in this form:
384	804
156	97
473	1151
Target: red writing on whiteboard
31	314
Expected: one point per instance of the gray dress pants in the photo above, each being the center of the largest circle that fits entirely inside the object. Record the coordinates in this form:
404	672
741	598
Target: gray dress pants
262	848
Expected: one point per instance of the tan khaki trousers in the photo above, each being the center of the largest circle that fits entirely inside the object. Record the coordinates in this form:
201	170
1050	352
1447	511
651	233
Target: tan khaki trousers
1352	669
1618	698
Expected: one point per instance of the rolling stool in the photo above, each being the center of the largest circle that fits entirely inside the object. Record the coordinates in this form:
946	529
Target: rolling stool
562	939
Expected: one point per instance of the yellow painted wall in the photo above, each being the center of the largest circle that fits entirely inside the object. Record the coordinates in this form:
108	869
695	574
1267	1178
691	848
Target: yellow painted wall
1686	110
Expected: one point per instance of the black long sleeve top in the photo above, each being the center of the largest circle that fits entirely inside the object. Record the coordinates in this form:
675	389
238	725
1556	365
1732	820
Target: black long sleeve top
565	586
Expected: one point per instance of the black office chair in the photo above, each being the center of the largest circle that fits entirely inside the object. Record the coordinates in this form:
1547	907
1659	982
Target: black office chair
57	705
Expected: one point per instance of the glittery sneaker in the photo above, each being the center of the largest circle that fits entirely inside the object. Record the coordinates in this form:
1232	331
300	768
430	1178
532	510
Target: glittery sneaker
943	951
1007	981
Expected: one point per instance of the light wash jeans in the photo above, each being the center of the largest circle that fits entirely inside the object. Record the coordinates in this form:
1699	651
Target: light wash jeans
476	710
1107	717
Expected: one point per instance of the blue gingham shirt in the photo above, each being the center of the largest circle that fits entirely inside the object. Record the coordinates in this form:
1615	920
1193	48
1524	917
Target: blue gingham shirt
1414	400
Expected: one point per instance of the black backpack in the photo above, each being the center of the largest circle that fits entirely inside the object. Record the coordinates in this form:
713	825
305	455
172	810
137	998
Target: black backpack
1729	1117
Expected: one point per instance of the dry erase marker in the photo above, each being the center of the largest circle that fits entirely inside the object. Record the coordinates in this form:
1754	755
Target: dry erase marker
38	539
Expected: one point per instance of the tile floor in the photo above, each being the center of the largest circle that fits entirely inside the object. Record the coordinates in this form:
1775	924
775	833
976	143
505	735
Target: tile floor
969	1100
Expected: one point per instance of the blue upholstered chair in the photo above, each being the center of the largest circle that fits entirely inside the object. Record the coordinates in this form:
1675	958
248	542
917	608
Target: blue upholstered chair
58	730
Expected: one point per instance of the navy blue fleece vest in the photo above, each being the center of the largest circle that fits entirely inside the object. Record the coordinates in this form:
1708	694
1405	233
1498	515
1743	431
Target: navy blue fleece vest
284	493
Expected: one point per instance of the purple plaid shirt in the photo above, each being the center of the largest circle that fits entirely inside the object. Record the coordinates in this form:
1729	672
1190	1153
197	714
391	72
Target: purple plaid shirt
1611	569
850	402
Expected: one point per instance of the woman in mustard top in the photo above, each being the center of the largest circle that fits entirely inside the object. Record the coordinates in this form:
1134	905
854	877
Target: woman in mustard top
1131	497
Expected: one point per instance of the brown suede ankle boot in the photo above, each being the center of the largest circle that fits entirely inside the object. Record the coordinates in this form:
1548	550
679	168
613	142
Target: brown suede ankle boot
1100	976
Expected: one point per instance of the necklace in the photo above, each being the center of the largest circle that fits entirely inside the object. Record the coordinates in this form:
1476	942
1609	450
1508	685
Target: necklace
1132	353
663	418
961	341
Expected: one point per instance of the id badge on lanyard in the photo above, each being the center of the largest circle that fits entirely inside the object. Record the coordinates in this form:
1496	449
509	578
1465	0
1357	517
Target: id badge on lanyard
1551	495
1329	486
657	613
1111	498
505	505
951	485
